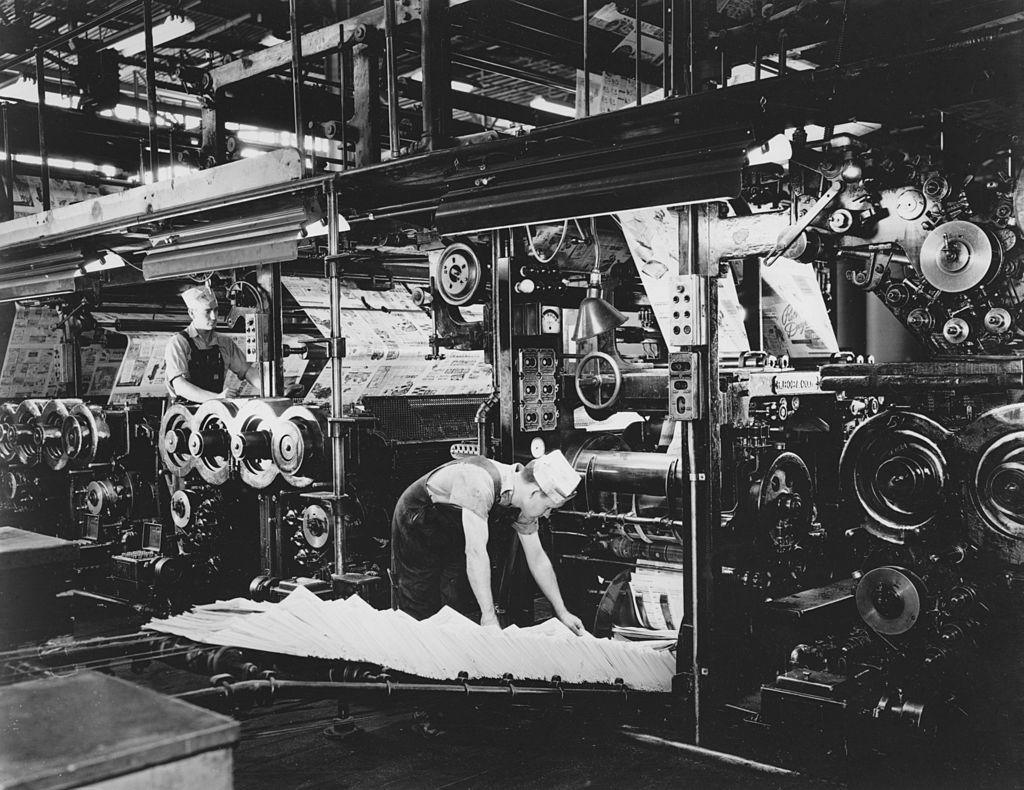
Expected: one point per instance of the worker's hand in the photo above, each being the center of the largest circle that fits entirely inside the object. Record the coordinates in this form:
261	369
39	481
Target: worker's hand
572	622
489	620
228	392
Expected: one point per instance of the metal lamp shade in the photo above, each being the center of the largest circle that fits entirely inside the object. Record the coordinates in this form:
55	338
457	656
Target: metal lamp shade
596	316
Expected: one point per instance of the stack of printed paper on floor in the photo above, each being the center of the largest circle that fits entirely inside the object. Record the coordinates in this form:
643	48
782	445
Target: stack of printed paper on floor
438	648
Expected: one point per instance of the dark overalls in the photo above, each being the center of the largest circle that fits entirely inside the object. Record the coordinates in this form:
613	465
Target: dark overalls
428	548
205	367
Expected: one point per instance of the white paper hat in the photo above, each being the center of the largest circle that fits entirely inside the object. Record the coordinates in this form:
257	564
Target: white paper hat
555	475
200	298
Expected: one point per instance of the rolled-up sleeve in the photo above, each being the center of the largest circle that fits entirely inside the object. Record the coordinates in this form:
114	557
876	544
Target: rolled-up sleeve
175	360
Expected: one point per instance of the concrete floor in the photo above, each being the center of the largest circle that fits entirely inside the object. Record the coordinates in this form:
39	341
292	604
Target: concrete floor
285	747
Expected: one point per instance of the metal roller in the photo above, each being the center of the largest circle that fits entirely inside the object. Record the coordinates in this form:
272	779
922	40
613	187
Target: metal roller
890	599
298	445
994	482
958	255
186	504
86	435
49	432
895	465
110	497
251	439
8	443
175	430
17	485
609	467
28	452
210	440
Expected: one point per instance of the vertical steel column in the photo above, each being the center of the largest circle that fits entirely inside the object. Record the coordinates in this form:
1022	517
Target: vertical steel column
586	58
8	176
501	333
678	63
71	351
300	132
666	52
268	277
691	38
437	81
337	353
391	66
703	448
638	48
147	22
44	165
272	541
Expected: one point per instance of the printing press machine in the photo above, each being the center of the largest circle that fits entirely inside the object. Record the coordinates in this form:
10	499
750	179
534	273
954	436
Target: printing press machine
825	540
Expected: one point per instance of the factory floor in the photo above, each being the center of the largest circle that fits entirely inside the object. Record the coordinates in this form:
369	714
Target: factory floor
286	746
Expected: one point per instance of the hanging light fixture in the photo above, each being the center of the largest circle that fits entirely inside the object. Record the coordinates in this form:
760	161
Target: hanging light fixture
596	316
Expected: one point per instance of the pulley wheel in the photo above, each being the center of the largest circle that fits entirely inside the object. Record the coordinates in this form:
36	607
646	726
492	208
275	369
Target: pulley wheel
957	256
895	465
175	431
784	498
181	508
994	444
460	275
890	599
316	526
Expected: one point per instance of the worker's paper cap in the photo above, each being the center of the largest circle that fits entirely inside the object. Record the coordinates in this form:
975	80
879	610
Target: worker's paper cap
200	298
555	475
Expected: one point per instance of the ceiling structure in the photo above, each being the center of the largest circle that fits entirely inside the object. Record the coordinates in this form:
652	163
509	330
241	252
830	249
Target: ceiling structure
513	63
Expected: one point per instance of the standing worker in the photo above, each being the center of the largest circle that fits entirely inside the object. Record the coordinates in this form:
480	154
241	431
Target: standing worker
195	358
440	529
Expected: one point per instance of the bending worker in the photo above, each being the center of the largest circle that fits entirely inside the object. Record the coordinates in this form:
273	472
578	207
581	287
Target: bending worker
195	358
440	529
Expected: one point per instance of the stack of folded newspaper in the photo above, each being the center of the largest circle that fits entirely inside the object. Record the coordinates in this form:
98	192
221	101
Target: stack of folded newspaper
439	648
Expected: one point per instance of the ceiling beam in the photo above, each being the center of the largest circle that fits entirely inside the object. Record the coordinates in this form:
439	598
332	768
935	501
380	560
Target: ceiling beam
483	105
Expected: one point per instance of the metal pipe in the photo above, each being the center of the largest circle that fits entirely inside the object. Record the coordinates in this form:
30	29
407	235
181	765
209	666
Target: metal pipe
695	584
586	58
269	690
482	421
666	58
147	22
98	649
391	75
630	549
691	39
515	72
678	64
722	757
44	169
637	49
8	164
623	518
437	83
300	132
337	353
